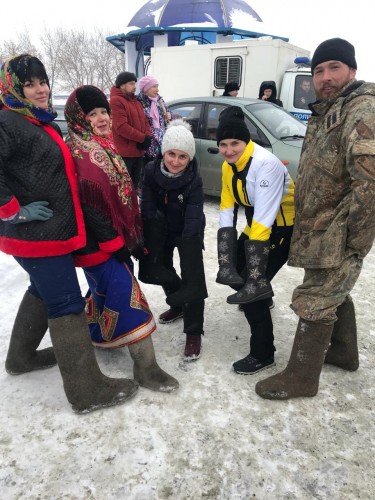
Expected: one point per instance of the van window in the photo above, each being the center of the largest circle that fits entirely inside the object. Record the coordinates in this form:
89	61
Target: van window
227	69
303	92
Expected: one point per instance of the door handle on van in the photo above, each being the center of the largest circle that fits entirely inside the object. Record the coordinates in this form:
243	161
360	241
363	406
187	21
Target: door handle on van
213	151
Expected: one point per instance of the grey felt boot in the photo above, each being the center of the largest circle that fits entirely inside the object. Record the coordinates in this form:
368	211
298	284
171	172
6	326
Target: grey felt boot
301	376
29	328
146	370
85	386
227	256
343	351
257	286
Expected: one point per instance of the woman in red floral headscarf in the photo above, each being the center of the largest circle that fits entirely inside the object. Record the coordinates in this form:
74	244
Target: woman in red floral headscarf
117	310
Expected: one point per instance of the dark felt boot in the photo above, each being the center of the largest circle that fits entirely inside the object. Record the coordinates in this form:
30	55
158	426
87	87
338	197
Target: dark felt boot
86	388
192	273
151	266
301	376
29	328
257	286
146	370
343	351
227	253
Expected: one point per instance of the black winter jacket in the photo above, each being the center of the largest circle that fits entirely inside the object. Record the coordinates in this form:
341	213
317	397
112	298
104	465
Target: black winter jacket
180	199
36	167
270	85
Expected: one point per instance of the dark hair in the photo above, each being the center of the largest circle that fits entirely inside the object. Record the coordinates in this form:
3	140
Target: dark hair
27	67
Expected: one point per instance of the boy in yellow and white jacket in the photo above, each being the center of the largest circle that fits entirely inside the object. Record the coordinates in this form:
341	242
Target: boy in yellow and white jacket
255	179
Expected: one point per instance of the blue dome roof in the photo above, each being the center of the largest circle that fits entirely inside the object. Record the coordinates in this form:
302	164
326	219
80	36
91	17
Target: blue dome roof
219	13
180	20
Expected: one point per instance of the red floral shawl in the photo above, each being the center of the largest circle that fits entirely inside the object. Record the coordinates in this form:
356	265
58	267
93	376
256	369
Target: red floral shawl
104	182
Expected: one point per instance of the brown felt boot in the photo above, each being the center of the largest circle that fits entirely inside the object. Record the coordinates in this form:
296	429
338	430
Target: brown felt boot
29	328
301	376
86	388
343	351
146	370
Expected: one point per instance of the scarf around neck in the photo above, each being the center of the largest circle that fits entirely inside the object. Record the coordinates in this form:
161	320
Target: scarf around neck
104	181
154	112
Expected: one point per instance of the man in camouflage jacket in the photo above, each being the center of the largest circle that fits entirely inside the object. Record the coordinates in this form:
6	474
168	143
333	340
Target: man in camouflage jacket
335	221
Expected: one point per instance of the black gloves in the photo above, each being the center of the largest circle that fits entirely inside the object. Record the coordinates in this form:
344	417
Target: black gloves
139	252
145	144
122	254
37	210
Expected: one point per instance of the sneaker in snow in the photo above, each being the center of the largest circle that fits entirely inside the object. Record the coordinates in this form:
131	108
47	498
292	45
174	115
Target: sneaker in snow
250	365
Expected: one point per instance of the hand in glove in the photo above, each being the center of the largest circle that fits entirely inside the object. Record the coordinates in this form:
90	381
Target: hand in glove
139	252
37	210
122	254
145	144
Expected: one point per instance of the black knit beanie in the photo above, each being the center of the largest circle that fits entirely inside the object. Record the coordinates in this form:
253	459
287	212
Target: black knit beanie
232	125
230	86
26	67
90	97
125	77
334	49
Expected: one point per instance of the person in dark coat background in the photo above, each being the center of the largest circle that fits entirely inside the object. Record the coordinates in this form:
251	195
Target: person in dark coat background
41	225
172	212
231	89
268	92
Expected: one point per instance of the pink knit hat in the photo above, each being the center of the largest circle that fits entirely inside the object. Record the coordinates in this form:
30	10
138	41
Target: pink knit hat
146	82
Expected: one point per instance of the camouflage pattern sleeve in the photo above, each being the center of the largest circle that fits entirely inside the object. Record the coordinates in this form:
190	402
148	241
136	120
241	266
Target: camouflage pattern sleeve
359	131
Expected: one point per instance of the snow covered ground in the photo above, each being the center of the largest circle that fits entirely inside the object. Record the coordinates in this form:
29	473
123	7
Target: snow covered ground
214	438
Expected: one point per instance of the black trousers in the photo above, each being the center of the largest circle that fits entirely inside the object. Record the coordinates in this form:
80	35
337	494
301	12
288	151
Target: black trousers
193	311
258	313
135	169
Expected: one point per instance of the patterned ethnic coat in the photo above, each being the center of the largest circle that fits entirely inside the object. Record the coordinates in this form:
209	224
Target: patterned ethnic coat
335	186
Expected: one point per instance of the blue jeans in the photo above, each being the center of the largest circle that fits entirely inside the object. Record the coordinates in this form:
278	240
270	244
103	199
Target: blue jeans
54	281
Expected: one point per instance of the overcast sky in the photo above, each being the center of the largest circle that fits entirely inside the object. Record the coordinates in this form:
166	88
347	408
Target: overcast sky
305	23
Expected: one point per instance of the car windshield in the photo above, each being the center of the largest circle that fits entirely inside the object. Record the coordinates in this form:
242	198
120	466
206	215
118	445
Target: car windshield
278	122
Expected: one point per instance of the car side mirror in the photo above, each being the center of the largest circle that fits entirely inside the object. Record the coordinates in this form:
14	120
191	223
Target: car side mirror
213	151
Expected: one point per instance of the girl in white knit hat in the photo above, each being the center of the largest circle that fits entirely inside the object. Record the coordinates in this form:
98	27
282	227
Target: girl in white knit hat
172	213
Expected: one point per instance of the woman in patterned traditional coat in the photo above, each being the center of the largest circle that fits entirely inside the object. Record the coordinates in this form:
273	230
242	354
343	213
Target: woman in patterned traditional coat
117	310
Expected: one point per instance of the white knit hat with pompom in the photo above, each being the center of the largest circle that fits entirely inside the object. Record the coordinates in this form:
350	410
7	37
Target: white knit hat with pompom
178	136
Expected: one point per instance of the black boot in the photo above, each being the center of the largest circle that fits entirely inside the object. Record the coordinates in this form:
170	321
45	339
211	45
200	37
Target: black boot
343	351
151	266
227	253
85	386
29	328
257	286
192	272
